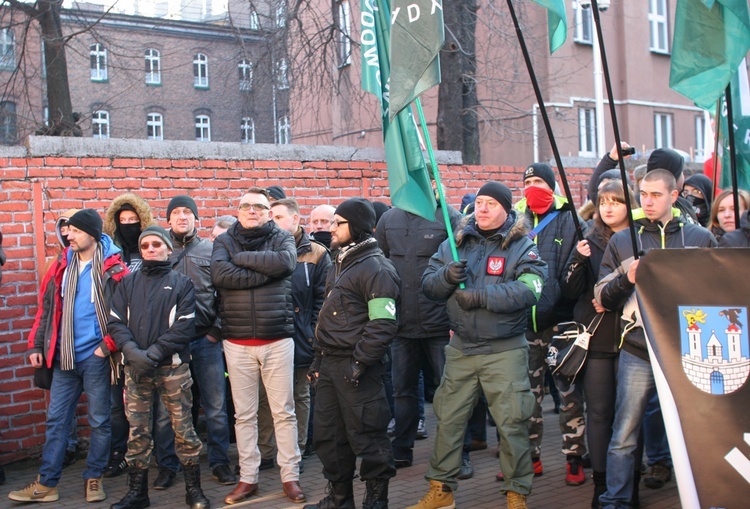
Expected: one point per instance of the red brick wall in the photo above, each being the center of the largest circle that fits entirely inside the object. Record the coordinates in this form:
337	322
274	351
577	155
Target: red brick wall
33	190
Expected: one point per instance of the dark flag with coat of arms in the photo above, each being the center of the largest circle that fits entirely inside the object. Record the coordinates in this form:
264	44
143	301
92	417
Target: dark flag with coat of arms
694	304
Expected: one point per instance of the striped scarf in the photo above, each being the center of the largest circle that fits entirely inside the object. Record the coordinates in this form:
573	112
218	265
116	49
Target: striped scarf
67	343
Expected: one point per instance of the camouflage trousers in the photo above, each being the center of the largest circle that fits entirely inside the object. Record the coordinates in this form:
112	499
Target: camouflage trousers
173	386
572	423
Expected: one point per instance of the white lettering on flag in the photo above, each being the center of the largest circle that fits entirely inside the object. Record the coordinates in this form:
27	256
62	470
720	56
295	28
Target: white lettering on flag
739	461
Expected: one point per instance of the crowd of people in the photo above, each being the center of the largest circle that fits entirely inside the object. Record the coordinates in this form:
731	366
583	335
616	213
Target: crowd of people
330	341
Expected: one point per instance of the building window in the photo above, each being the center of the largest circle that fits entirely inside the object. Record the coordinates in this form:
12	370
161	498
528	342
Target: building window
202	128
657	19
246	75
254	23
587	132
153	67
344	34
280	14
8	127
700	139
282	74
7	49
98	54
662	130
154	126
200	71
247	130
584	34
284	131
100	124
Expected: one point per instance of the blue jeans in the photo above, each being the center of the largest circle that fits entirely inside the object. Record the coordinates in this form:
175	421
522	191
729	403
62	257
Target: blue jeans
120	425
92	377
655	435
635	386
408	355
208	368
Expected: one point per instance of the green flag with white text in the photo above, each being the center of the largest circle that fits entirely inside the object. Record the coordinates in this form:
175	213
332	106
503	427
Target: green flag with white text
407	172
711	37
416	39
557	23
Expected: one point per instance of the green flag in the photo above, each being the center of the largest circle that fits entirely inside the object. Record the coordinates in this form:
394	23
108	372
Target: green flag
557	23
741	119
416	39
407	172
711	37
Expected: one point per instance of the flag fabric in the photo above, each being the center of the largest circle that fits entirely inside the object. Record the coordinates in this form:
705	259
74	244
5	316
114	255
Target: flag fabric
408	179
417	36
711	37
697	331
557	23
741	118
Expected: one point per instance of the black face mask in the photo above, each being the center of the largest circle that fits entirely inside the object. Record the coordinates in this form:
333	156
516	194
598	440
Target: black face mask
323	237
701	208
130	233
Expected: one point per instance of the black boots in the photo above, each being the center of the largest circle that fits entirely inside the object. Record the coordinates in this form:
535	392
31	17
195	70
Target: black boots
340	496
194	496
600	486
137	495
376	494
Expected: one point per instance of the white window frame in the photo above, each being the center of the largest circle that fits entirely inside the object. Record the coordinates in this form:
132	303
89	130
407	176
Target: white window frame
283	131
663	130
282	74
254	21
587	132
153	66
7	49
279	14
583	20
200	71
202	128
245	68
154	126
658	19
247	130
100	124
344	33
98	62
700	154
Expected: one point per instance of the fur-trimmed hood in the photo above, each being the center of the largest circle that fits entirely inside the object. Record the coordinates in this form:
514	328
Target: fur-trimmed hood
141	208
515	227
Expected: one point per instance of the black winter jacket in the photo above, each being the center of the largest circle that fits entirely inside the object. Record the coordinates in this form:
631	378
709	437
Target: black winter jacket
578	281
253	278
308	292
154	306
196	264
505	265
358	317
409	241
615	291
739	237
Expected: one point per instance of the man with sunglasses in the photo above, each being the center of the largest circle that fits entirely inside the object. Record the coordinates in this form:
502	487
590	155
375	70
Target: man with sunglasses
251	267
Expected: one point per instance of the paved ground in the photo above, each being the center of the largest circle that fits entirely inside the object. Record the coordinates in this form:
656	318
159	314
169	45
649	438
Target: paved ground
480	492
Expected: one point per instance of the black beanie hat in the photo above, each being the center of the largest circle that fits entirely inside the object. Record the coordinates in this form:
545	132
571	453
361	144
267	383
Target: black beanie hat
89	221
361	216
666	159
380	209
182	200
703	184
276	192
543	171
499	192
159	232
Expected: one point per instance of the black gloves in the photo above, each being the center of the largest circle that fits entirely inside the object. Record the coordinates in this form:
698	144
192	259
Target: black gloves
470	299
154	353
138	375
456	272
139	360
354	372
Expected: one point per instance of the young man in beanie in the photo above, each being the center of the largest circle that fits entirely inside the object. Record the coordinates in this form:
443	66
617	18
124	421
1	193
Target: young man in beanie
72	336
153	321
251	267
503	276
356	324
554	233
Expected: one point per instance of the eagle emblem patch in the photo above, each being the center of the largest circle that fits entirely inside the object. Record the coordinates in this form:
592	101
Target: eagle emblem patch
495	265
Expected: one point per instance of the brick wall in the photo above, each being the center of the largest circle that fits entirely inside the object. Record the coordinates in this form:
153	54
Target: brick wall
47	177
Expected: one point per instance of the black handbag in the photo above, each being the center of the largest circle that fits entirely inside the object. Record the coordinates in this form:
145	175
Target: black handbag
43	376
569	348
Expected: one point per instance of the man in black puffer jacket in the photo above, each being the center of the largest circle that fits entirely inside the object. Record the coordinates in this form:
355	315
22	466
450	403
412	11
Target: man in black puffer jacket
152	321
251	267
355	327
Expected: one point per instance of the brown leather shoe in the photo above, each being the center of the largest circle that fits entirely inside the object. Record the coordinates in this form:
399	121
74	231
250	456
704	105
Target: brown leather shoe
240	492
294	492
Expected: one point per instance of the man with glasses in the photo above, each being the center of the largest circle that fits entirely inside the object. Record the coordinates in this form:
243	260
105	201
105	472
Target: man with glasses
251	267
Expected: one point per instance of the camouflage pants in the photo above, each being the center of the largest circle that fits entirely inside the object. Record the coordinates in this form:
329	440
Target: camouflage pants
173	386
572	423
